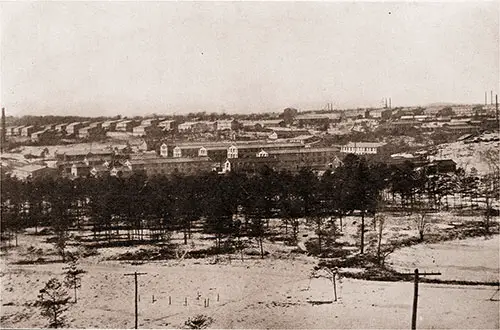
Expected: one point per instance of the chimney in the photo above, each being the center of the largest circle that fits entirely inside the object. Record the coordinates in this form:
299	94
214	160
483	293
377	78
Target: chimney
496	110
390	103
4	132
385	100
485	98
491	97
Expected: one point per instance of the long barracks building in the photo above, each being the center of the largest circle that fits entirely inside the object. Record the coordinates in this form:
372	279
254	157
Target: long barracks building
193	158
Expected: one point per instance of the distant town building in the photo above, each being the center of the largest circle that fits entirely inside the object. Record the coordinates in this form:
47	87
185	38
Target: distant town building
197	127
316	120
222	125
28	130
43	135
260	124
34	171
168	166
362	148
164	150
109	125
168	125
61	127
72	129
126	125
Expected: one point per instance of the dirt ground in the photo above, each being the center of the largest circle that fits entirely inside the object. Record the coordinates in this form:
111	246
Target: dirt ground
255	293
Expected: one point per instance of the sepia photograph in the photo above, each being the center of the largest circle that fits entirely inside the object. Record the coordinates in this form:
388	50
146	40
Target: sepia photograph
249	164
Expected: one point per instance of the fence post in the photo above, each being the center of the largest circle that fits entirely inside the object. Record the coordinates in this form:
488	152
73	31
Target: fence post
334	286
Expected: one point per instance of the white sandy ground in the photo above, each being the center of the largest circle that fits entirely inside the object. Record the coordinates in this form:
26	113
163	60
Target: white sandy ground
468	156
473	259
269	293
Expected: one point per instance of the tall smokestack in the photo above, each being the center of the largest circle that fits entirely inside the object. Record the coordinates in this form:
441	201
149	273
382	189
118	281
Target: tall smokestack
4	132
491	97
390	103
385	100
496	110
485	98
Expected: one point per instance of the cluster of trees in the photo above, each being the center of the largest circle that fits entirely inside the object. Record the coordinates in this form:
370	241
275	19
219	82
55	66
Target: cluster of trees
232	205
53	299
414	187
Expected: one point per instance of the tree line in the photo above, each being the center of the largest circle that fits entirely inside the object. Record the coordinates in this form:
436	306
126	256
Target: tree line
141	208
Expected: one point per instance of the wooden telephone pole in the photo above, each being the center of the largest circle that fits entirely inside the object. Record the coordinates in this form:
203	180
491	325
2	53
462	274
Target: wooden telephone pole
415	296
135	274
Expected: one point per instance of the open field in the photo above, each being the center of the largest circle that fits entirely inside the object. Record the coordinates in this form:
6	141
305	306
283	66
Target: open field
252	294
275	292
472	259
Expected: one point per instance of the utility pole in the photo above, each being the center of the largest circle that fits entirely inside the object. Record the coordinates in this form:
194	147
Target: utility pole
135	274
415	296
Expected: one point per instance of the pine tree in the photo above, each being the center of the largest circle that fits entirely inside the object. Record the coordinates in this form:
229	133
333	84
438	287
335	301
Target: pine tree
73	277
53	300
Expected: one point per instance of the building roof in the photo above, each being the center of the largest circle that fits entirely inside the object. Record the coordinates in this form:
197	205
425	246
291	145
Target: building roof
444	162
168	121
303	137
85	152
143	155
160	160
365	144
40	132
288	129
124	122
30	168
263	122
317	116
80	165
238	144
302	150
460	127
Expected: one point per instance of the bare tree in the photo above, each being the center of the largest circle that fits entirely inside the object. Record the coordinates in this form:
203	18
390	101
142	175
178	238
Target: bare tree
318	220
380	220
489	190
490	184
380	249
422	223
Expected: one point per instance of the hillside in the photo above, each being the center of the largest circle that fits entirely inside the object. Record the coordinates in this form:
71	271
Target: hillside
469	155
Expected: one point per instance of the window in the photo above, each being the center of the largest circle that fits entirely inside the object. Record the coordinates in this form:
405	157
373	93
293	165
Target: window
262	153
232	152
164	150
177	152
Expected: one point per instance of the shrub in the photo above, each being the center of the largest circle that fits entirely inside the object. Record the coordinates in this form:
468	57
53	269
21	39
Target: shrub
199	321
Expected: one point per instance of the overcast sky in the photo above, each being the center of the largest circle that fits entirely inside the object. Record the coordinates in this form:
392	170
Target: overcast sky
109	58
